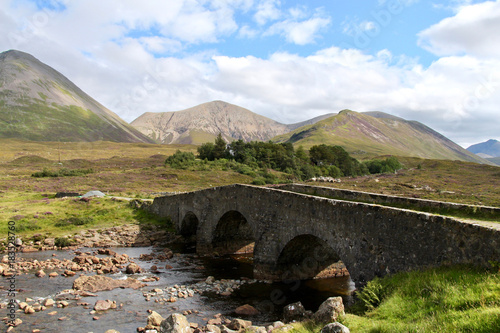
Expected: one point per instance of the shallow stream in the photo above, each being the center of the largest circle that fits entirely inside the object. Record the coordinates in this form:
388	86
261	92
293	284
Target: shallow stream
188	268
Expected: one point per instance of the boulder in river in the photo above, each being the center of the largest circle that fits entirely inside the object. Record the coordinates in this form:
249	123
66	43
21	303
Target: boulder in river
175	323
294	312
213	328
97	283
155	319
40	273
104	305
48	302
239	324
246	310
133	268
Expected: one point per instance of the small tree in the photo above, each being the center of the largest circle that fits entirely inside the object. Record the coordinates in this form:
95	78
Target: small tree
301	154
206	151
219	147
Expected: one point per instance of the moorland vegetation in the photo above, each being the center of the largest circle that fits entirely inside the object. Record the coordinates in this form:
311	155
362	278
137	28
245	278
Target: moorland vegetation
264	160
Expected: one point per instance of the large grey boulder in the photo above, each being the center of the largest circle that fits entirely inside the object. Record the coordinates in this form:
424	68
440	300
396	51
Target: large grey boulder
175	323
330	310
294	312
133	268
335	328
91	194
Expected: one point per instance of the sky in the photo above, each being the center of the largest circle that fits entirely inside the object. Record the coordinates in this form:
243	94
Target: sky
437	62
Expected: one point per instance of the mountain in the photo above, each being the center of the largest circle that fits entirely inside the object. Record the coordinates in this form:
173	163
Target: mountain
40	104
376	133
204	122
488	149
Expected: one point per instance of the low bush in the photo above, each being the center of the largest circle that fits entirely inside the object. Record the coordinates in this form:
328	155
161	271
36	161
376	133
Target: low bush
259	181
390	164
63	242
63	172
181	160
74	221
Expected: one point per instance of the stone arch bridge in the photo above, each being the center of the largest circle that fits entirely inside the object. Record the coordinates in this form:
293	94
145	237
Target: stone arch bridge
296	235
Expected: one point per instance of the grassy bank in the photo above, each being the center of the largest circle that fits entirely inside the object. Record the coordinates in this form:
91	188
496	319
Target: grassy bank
445	299
51	217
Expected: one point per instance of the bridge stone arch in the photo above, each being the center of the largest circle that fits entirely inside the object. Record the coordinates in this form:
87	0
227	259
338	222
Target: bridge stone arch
189	224
307	257
233	233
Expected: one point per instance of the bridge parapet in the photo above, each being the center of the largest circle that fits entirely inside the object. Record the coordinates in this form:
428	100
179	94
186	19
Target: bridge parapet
430	206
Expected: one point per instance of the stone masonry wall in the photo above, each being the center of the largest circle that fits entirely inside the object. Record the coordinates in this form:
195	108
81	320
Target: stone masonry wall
371	240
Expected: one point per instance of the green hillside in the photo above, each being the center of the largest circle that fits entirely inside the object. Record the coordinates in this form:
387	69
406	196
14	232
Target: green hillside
40	104
365	135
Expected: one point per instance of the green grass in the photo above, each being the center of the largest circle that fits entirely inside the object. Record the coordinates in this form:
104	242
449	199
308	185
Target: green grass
495	160
97	150
456	299
446	299
197	137
38	213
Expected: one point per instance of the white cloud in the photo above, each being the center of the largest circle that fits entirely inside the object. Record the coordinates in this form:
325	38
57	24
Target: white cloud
160	45
354	27
473	30
367	25
267	10
450	94
248	32
302	32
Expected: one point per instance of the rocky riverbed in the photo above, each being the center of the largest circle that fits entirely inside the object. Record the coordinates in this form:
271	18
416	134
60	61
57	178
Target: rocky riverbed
86	289
131	235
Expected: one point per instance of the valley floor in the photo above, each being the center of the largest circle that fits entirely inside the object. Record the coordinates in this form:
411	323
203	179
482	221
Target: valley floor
457	299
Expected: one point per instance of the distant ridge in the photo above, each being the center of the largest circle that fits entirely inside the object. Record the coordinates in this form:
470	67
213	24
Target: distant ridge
378	133
487	149
40	104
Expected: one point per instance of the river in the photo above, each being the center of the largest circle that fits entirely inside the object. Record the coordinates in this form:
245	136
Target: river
188	268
